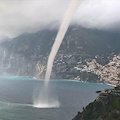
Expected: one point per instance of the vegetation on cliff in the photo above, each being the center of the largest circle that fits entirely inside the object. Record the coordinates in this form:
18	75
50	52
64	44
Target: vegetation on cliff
106	107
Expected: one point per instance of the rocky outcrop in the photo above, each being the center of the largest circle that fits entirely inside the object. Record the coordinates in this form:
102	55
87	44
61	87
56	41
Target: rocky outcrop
107	107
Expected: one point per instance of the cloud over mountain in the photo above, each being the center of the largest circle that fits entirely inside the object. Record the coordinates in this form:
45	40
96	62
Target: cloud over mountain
20	16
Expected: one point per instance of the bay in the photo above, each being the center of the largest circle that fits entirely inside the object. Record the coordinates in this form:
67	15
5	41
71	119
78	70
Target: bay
17	94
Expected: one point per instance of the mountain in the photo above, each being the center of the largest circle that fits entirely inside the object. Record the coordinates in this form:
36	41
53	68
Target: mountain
27	54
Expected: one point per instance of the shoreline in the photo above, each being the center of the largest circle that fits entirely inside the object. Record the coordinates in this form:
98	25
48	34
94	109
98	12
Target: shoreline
59	80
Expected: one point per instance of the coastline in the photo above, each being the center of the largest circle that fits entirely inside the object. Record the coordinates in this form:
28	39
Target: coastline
59	80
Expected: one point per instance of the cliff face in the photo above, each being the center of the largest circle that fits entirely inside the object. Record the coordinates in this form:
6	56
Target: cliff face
105	109
26	55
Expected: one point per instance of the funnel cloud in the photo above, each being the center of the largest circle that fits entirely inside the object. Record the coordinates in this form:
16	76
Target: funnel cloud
28	16
45	100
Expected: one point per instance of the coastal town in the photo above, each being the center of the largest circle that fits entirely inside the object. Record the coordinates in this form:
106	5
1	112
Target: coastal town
109	73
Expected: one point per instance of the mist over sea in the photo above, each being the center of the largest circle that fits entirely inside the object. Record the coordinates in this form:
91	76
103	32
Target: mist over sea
16	98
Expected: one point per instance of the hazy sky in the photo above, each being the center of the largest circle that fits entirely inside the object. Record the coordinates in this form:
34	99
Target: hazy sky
20	16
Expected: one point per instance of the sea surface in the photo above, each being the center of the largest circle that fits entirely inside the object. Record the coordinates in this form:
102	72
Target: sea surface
17	94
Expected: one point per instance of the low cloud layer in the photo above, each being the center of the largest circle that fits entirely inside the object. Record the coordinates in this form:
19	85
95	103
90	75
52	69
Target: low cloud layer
101	14
20	16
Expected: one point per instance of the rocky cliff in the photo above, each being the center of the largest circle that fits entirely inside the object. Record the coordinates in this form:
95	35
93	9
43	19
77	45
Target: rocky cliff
105	107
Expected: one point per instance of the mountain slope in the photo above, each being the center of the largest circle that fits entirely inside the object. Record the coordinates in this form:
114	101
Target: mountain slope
26	55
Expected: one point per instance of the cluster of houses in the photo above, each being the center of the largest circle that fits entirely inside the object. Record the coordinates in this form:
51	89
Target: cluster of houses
109	73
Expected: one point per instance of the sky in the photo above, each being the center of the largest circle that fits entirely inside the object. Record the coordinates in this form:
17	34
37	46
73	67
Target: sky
28	16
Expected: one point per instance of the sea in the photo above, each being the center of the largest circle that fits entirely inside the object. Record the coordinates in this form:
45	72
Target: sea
17	95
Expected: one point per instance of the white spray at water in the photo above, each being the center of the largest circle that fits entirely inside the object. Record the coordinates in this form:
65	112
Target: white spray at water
45	99
61	33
